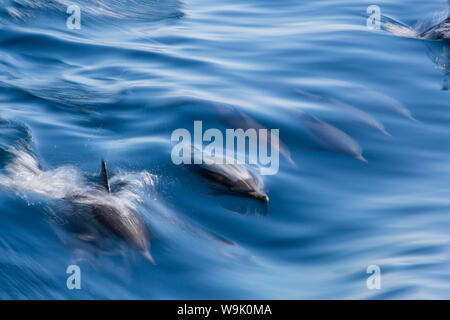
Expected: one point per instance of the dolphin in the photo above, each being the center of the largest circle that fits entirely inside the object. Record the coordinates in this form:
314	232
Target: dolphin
91	213
329	137
124	223
237	179
439	31
355	114
239	119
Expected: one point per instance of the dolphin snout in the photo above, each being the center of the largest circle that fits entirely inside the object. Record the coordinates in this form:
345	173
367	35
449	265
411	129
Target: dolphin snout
147	255
260	196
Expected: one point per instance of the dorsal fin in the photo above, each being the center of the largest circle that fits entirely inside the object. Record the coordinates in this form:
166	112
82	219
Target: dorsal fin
104	181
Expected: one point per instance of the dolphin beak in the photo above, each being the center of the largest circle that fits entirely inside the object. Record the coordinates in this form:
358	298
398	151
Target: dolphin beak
149	257
260	196
361	158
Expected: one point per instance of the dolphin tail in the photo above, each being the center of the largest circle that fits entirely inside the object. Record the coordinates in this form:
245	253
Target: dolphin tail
104	181
147	255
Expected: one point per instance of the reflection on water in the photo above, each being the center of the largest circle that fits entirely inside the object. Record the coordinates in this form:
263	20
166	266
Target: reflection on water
137	70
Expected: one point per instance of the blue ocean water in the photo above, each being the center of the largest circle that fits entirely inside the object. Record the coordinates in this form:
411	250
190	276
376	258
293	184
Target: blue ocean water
137	70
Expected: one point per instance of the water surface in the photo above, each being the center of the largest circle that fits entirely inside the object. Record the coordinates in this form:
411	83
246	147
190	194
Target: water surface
137	70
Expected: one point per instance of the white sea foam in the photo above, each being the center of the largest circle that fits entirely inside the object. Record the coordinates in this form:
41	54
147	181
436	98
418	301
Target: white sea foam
24	176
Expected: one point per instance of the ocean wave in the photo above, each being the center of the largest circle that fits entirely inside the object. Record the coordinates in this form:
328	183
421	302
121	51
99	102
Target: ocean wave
134	10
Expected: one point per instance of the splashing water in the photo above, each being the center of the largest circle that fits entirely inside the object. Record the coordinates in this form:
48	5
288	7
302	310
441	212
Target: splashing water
24	175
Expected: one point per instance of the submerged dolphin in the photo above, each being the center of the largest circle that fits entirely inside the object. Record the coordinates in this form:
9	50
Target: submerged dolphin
236	178
353	113
239	119
124	223
329	137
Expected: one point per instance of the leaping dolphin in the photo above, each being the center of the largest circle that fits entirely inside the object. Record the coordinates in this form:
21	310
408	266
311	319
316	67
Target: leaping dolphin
127	226
123	222
92	213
